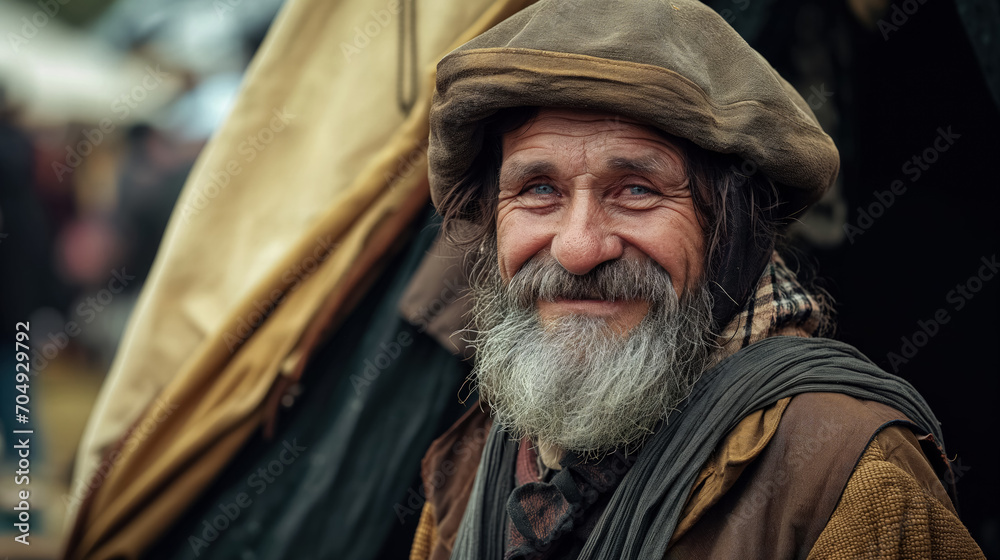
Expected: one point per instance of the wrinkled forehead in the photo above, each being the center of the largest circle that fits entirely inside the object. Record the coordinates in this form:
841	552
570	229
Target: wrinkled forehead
600	140
582	122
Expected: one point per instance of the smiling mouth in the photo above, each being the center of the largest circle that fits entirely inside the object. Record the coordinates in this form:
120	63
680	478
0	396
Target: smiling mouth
594	306
588	295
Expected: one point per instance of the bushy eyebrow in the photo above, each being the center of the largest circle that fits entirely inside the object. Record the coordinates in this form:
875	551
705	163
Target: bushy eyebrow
517	172
643	165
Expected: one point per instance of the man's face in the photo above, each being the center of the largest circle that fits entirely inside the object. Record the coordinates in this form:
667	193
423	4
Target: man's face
596	324
585	188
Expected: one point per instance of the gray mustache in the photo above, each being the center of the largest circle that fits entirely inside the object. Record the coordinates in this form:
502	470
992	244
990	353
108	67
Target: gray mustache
543	278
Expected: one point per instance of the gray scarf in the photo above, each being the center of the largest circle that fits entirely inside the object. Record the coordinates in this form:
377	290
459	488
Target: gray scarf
646	507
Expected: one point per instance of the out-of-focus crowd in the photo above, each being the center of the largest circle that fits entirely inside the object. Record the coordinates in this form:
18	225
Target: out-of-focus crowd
104	107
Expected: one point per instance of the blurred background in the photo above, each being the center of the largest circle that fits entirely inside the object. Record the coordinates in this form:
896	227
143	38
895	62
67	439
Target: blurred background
105	104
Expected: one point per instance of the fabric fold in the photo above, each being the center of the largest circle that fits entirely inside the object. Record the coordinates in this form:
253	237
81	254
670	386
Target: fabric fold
219	393
644	511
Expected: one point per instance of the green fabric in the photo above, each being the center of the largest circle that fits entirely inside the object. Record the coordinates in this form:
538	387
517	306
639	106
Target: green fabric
646	507
344	494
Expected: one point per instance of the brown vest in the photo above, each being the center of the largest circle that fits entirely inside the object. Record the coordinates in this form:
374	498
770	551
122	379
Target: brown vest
783	500
776	508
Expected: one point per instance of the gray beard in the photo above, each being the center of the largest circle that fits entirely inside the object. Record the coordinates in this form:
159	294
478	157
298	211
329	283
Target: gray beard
576	383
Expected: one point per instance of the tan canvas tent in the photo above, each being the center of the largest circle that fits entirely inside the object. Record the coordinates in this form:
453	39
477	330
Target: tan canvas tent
286	214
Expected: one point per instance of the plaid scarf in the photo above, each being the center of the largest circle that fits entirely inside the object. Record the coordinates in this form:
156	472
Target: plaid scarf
780	306
553	519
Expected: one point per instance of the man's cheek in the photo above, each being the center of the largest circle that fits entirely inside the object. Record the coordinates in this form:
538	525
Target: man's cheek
515	247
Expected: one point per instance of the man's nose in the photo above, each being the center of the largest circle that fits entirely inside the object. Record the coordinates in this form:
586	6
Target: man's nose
585	237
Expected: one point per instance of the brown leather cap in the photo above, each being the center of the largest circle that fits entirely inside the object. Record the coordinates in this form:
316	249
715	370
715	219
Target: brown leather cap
674	64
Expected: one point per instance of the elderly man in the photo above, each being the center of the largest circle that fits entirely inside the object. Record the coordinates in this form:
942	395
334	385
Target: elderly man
649	363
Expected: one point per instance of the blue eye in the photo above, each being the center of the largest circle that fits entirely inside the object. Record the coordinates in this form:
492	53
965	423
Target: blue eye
638	190
542	189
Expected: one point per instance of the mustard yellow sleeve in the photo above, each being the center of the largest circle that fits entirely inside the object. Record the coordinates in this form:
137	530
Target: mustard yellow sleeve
426	538
892	509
